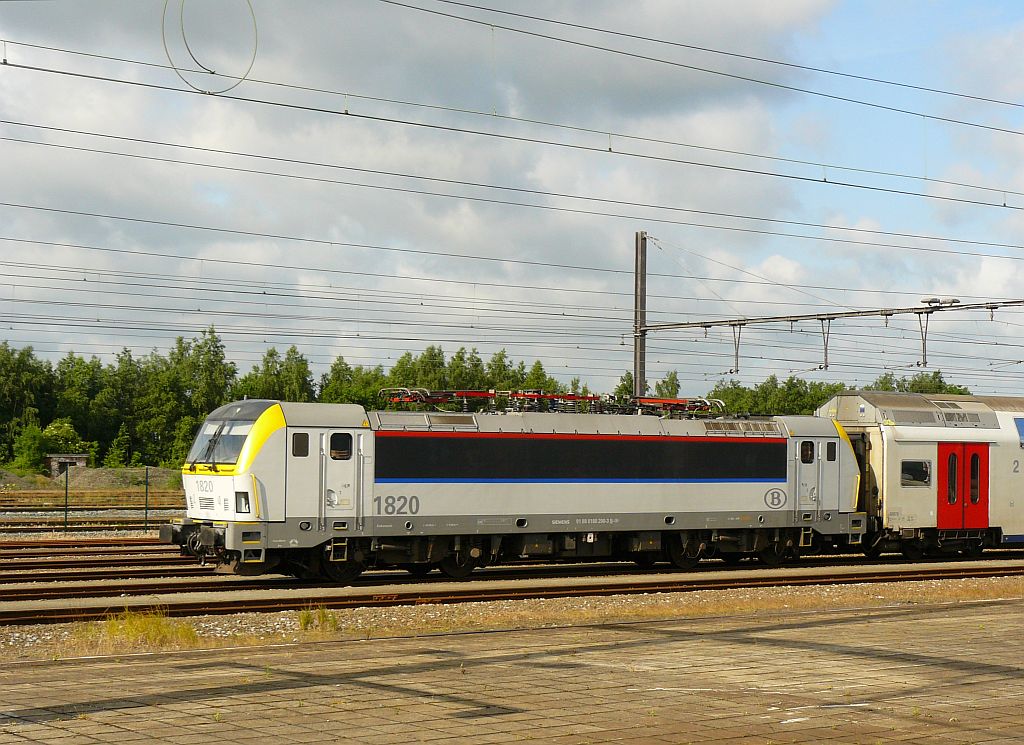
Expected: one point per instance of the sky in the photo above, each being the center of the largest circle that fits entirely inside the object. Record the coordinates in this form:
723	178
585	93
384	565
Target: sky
364	178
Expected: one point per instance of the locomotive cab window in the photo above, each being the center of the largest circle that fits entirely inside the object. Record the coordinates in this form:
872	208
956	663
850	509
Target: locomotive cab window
341	446
916	473
830	451
300	444
806	451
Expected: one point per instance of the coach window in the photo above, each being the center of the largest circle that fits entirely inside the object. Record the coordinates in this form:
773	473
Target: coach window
916	473
341	446
975	478
806	451
951	479
300	444
830	451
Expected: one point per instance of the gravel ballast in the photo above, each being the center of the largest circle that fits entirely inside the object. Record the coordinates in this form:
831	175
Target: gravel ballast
80	639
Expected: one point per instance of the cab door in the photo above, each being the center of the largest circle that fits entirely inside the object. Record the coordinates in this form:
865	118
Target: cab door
808	474
340	487
963	485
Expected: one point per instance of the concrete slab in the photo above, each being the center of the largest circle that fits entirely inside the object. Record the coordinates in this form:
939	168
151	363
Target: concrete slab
941	674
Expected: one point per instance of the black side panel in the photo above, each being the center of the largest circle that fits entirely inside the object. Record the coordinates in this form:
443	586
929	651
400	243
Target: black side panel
482	458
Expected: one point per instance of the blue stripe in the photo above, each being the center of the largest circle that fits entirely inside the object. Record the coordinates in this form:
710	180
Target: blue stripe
578	481
1013	539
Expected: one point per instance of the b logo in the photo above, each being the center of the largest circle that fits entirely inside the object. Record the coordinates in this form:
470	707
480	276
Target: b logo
775	499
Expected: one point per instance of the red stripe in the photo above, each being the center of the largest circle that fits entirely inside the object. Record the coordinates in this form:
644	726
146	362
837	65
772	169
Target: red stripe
570	436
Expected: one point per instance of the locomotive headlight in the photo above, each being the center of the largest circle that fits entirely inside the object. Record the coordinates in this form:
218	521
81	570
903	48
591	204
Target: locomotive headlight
241	501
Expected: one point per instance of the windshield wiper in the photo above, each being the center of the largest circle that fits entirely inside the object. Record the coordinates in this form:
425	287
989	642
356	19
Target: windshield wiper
208	451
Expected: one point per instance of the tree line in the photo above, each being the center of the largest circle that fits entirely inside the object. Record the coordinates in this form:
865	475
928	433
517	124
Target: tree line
146	410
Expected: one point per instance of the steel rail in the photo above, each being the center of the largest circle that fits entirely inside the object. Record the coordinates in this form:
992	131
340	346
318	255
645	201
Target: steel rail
110	562
78	526
183	570
78	542
477	593
115	551
59	507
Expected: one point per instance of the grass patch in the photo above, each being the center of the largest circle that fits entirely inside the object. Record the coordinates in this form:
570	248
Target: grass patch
133	631
318	619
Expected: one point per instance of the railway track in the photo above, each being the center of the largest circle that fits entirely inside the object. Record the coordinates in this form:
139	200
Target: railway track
135	572
80	525
59	507
255	599
58	543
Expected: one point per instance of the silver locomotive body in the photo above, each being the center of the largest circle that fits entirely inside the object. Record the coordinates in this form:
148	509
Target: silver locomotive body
327	490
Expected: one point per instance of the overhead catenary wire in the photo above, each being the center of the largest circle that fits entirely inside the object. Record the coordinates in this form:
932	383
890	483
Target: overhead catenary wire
443	280
708	70
459	182
329	242
605	132
738	55
531	140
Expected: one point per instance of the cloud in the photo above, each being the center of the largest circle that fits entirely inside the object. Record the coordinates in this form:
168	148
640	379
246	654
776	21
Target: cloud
397	300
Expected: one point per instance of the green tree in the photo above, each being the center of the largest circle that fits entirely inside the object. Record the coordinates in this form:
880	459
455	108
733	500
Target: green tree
923	382
503	375
538	380
336	383
430	370
60	437
736	397
344	384
211	376
624	390
403	372
476	373
77	383
115	406
669	387
118	453
26	394
280	379
30	449
791	396
296	379
163	405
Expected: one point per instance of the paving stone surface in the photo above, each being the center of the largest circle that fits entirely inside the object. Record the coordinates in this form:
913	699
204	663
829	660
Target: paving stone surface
912	674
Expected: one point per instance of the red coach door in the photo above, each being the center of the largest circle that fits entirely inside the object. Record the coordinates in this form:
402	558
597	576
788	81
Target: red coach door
962	486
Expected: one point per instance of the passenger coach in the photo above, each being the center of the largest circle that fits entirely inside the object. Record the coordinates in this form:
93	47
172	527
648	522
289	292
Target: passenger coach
940	473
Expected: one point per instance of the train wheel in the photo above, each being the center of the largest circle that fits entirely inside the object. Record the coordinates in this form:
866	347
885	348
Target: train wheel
872	552
645	561
973	551
912	550
457	566
773	554
682	554
871	546
341	572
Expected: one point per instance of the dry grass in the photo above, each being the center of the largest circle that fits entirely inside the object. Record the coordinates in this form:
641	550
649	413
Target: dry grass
318	620
132	631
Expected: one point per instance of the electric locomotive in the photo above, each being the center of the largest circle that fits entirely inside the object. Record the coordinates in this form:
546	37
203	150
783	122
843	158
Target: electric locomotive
326	490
